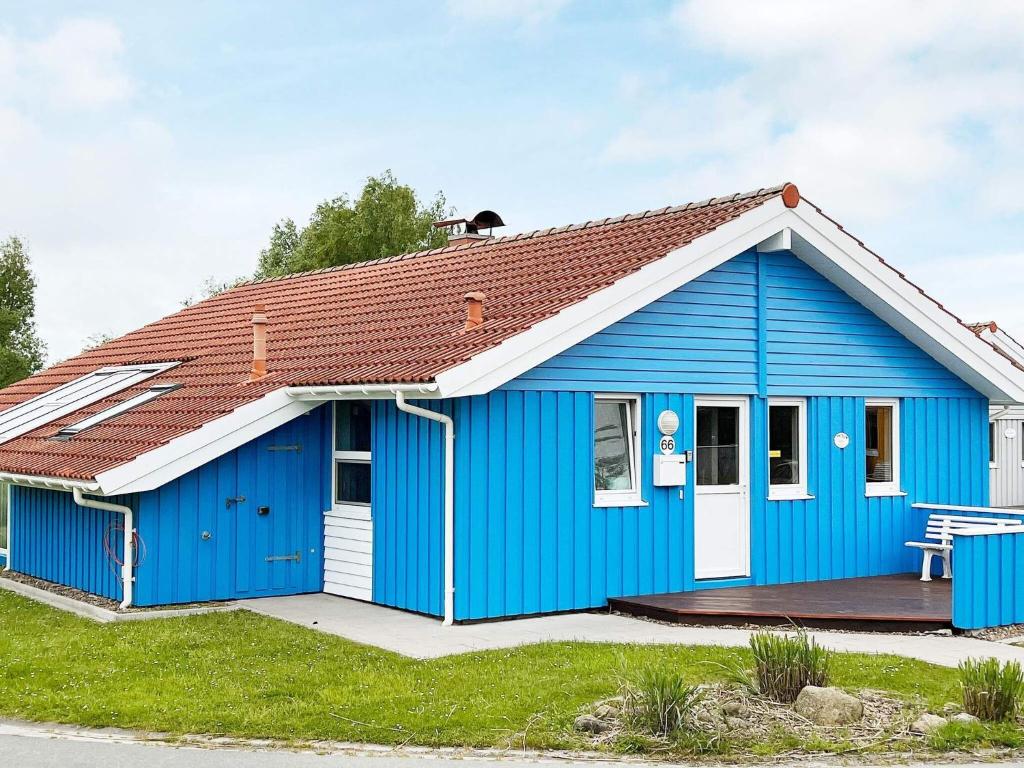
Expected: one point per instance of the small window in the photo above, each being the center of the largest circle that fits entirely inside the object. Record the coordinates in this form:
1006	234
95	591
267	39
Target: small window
116	410
992	436
787	448
881	447
718	445
616	441
352	468
73	396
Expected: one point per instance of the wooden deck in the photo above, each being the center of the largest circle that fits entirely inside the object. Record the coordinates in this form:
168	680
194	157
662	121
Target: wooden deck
880	603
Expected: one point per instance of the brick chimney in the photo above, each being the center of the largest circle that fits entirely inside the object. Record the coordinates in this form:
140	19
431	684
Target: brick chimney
462	231
474	310
259	344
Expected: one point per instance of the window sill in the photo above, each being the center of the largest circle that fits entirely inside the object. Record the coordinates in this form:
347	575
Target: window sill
871	493
993	465
621	501
803	496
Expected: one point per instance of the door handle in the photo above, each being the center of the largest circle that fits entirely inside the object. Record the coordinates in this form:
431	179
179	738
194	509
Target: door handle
297	557
233	500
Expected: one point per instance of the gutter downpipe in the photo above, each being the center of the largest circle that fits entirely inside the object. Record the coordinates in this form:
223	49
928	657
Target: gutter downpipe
449	498
127	577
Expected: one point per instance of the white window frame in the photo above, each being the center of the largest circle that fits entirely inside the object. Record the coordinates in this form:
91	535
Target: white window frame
632	497
796	490
72	396
993	437
891	488
350	509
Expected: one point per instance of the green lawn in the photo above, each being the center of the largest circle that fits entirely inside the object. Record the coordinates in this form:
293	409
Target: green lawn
244	675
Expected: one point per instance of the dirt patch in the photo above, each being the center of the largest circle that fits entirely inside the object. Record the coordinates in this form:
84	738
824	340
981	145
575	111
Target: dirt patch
97	600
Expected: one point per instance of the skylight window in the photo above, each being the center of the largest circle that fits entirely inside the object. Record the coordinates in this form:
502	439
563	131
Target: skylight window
132	402
73	396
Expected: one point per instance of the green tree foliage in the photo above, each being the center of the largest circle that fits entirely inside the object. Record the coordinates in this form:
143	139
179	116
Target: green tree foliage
21	351
386	219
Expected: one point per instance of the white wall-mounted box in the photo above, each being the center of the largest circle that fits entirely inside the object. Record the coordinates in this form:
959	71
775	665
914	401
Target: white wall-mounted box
670	470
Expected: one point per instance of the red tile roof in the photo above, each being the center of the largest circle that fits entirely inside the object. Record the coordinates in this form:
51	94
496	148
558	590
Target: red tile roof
398	319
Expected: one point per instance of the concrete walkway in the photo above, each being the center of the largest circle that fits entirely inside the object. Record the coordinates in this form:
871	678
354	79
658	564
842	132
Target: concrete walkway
424	638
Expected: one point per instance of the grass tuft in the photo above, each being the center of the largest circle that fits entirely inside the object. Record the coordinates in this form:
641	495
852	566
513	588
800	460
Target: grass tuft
657	700
991	691
785	664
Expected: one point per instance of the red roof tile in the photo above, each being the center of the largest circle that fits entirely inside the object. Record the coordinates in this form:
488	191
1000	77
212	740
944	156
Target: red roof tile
397	319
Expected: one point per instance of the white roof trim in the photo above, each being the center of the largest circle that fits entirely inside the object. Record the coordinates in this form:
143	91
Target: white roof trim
215	438
516	355
817	240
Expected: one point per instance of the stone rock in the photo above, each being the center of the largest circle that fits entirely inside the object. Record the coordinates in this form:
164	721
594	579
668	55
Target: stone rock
590	724
734	709
928	723
964	717
608	709
829	706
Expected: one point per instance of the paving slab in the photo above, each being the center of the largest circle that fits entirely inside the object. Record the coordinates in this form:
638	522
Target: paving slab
421	637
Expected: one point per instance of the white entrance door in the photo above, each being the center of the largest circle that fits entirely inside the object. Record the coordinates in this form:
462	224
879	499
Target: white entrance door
721	526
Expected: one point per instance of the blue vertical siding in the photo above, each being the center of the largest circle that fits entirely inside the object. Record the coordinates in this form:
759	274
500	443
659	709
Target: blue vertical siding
408	509
568	554
286	470
987	588
760	324
53	538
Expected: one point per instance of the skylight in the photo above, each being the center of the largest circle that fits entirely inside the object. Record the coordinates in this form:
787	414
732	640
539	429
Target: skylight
74	395
132	402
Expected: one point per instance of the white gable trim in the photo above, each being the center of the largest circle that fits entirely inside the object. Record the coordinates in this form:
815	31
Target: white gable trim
814	238
516	355
825	247
215	438
817	240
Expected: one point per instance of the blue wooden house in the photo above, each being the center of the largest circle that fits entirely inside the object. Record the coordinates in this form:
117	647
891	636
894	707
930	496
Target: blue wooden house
728	393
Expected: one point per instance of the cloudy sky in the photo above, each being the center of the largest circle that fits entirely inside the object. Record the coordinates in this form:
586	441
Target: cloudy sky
146	147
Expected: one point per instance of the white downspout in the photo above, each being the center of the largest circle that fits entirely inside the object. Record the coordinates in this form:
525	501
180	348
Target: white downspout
127	577
449	499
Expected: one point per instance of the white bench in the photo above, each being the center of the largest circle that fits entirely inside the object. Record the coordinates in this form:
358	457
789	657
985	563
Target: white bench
939	532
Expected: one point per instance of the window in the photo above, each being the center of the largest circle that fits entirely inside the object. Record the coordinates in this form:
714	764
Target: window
616	451
73	396
5	501
150	394
787	448
718	445
992	436
881	447
352	473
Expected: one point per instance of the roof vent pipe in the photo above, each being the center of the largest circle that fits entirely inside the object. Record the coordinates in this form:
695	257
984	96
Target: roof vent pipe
259	344
474	310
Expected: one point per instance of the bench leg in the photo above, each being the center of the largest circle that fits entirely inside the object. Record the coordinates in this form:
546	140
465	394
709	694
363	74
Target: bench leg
947	566
926	567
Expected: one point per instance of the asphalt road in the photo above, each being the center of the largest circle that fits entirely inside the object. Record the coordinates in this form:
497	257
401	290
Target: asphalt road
29	746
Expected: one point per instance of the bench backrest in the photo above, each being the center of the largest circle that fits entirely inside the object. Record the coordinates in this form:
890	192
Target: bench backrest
941	527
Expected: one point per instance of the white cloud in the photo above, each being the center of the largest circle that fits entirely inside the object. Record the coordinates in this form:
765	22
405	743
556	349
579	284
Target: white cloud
80	64
526	12
866	105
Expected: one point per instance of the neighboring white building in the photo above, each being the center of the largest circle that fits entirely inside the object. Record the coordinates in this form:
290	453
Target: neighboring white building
1006	430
